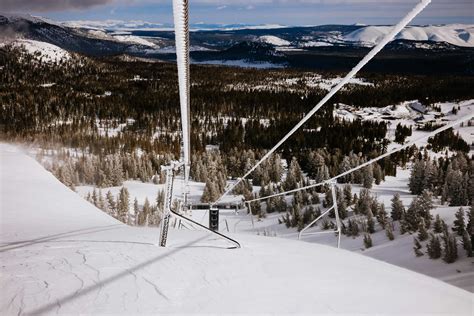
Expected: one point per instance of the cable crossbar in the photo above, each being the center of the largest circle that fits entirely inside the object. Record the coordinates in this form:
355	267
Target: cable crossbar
409	144
389	37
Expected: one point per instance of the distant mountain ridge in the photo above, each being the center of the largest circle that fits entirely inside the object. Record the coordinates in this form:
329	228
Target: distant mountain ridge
324	47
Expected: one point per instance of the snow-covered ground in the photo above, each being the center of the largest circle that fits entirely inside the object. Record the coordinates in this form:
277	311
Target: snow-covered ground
404	114
41	50
59	254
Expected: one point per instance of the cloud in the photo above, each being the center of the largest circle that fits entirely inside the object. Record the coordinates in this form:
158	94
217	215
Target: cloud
49	5
222	7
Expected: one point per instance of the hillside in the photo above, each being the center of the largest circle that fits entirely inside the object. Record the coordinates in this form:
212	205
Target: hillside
71	257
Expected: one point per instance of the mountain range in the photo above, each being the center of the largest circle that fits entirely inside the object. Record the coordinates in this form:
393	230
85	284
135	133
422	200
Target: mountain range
317	47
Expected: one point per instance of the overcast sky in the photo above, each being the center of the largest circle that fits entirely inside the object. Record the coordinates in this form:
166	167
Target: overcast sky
287	12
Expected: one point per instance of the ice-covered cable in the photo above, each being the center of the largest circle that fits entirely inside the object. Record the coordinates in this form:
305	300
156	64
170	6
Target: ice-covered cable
388	153
389	37
181	30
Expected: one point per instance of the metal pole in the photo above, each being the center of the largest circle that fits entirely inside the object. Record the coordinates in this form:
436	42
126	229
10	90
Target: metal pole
164	225
336	211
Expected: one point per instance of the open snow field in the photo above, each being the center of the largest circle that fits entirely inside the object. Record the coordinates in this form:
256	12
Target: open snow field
59	254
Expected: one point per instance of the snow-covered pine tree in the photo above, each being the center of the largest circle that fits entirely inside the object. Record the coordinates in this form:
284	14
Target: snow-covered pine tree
347	192
111	203
425	205
136	211
459	225
95	198
417	247
416	177
146	211
367	176
123	202
378	173
101	204
422	232
438	225
389	232
456	188
397	207
382	216
411	218
294	175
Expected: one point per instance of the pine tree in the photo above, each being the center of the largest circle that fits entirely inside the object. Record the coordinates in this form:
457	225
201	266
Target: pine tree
470	219
382	216
294	175
95	198
370	224
110	203
438	225
456	188
378	174
416	177
422	232
389	232
417	247
458	225
353	228
403	225
397	208
411	218
467	244
367	176
450	253
367	241
147	210
123	205
101	204
347	191
434	247
425	205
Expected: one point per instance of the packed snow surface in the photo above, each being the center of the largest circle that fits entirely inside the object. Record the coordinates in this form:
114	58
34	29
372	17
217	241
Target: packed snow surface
60	254
456	34
41	50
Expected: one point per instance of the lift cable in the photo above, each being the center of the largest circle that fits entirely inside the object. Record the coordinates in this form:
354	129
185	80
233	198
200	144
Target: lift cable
389	37
388	153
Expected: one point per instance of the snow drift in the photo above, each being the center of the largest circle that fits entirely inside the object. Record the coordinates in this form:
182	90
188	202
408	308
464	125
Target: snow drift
61	254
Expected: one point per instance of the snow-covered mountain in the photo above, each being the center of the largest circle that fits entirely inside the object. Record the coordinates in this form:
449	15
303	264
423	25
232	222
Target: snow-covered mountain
455	34
62	255
42	50
324	47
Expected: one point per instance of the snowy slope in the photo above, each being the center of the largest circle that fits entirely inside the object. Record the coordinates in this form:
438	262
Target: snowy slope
47	52
134	40
456	34
274	40
61	255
